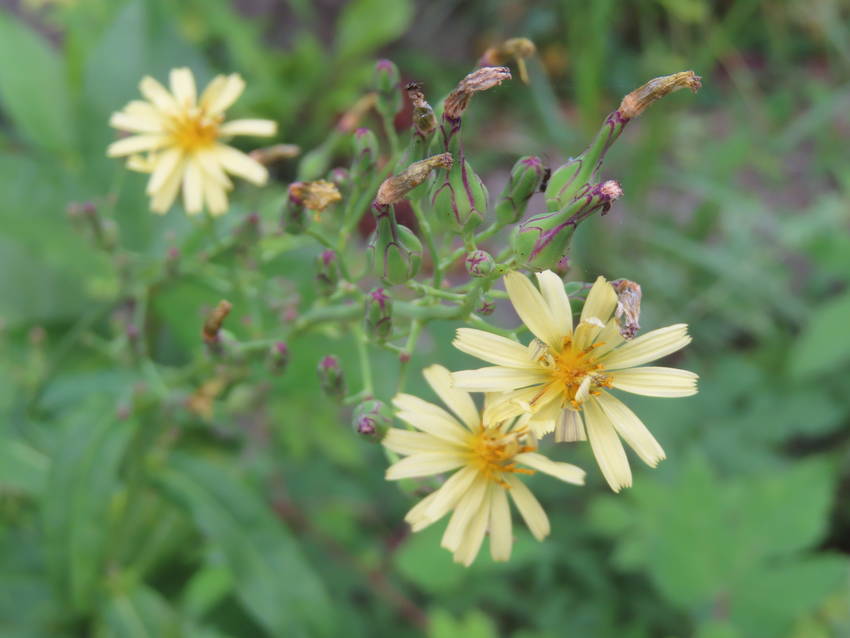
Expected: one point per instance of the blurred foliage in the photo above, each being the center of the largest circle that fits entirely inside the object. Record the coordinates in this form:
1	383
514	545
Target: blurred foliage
270	518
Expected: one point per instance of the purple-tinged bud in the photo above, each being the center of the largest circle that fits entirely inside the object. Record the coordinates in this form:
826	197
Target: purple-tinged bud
378	314
459	197
487	307
542	241
278	357
386	81
479	263
371	420
563	266
327	271
331	377
366	153
526	177
293	215
340	176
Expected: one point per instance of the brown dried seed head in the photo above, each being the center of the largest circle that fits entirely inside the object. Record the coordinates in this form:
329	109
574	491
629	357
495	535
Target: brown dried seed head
423	115
636	102
271	154
516	49
479	80
395	188
628	306
315	196
216	318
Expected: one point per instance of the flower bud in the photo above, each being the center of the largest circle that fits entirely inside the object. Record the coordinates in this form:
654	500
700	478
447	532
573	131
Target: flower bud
371	419
487	307
424	120
479	263
293	217
327	271
394	251
386	80
460	198
378	318
331	377
278	357
366	153
526	176
340	176
542	241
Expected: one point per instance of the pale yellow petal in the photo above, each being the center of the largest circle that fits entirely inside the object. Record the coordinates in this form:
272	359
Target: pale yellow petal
221	93
601	301
158	95
632	429
208	161
607	447
570	427
142	163
493	348
649	347
136	144
501	535
552	289
456	399
564	471
183	87
546	415
164	197
193	189
445	428
586	332
135	123
533	310
451	492
656	381
424	464
407	442
475	530
259	128
216	197
165	165
238	163
409	403
608	338
526	400
416	517
497	379
529	508
465	509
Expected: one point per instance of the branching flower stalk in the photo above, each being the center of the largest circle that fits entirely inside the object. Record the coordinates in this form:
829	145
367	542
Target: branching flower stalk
435	254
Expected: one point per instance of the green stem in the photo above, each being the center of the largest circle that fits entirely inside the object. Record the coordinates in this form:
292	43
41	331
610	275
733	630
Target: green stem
365	363
427	233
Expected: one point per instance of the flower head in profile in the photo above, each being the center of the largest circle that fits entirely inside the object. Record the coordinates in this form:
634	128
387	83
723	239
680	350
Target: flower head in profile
182	138
563	377
487	459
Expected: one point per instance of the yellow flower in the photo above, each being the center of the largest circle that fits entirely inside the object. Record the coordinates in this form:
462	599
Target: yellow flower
561	378
182	137
486	455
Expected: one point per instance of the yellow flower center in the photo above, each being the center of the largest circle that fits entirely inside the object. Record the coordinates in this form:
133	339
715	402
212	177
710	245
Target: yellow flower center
192	130
492	452
573	371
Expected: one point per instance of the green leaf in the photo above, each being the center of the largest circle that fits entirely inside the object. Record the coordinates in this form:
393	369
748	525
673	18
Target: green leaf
823	345
22	467
82	480
475	624
366	25
272	579
138	612
33	86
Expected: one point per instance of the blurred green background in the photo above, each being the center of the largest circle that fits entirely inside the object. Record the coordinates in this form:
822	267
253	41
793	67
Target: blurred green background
256	512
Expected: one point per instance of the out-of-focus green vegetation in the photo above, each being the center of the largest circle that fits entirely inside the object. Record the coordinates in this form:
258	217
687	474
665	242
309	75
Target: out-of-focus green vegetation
256	512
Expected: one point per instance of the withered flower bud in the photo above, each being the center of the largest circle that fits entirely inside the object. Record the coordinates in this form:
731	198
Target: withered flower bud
278	357
517	49
212	325
477	81
424	121
327	271
331	377
275	153
315	196
396	187
628	307
636	102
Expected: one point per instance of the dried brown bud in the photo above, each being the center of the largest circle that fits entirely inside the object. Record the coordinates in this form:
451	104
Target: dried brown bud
212	325
479	80
423	115
636	101
628	306
516	49
315	196
396	187
275	153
